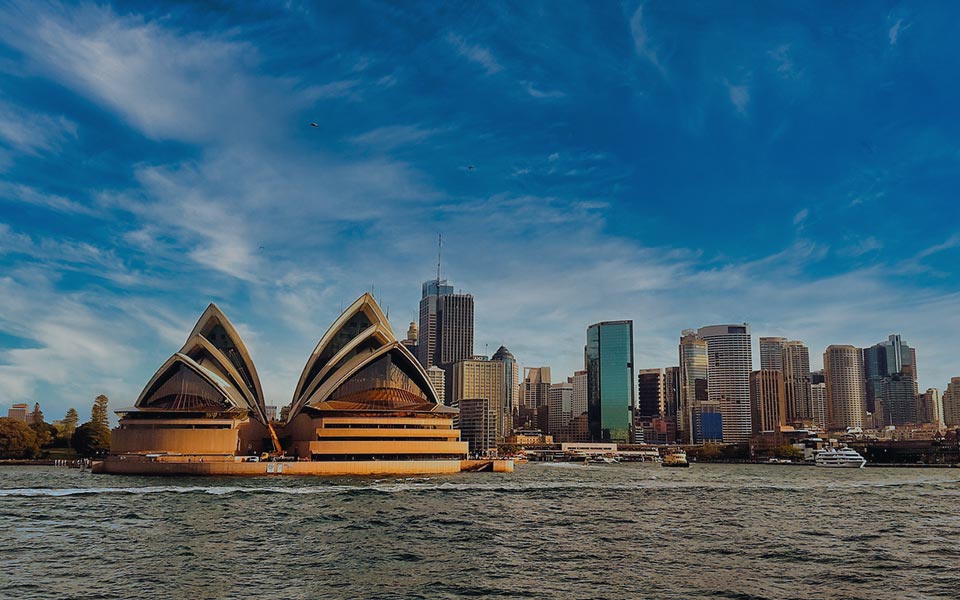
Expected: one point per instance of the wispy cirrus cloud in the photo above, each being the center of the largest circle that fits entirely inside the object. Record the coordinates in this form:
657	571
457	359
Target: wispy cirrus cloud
33	133
474	53
642	43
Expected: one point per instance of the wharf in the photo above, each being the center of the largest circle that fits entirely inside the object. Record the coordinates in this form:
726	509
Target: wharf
217	466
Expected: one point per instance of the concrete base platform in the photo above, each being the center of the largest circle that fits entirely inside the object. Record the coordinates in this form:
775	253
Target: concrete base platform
192	466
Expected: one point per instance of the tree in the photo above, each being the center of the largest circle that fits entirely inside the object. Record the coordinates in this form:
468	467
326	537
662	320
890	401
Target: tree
17	440
99	414
70	421
91	439
45	432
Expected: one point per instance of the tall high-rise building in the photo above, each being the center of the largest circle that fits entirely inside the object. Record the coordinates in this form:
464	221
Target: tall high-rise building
692	384
730	362
446	328
535	387
438	379
930	408
578	404
477	425
560	407
511	382
889	370
650	394
846	398
671	393
818	405
428	333
771	353
413	336
768	401
796	380
817	377
610	383
951	403
479	377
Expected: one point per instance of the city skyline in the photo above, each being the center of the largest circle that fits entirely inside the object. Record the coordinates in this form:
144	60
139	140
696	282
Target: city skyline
158	159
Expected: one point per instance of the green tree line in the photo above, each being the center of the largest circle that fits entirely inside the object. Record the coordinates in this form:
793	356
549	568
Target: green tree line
19	440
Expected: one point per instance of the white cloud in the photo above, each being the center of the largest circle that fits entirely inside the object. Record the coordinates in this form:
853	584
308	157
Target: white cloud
386	138
474	53
33	133
801	216
12	192
894	32
169	86
641	40
535	92
739	96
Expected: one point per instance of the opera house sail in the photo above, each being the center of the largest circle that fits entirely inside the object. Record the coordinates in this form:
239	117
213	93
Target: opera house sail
362	405
364	397
204	400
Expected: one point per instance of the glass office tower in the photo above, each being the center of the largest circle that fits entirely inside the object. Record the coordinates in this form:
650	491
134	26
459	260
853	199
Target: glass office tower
610	389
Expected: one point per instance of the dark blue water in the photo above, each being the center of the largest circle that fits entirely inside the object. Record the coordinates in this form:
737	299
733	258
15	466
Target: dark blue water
546	531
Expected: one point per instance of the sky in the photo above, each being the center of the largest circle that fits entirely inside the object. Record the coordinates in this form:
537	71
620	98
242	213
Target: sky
793	165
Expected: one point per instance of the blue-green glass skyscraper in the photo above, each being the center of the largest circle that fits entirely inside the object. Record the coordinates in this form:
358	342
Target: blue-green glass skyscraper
610	390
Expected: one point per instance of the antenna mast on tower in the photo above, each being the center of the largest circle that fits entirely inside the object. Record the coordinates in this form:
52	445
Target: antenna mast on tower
439	254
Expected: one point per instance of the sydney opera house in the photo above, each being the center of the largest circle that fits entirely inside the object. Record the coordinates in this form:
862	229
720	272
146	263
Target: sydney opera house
362	405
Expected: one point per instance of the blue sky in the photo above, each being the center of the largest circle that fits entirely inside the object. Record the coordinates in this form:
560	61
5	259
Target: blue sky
790	164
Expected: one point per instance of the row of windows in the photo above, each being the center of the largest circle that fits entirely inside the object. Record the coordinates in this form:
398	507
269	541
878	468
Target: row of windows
356	457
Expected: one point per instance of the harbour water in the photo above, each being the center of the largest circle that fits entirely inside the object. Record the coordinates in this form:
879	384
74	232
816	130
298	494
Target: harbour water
545	531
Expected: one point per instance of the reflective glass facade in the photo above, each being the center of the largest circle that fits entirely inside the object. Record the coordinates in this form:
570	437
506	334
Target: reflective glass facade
610	382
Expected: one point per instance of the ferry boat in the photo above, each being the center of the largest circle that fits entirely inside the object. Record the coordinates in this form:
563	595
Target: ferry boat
840	458
677	458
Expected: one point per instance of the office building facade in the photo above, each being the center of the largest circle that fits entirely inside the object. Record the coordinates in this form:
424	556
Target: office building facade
730	362
692	385
610	383
846	396
768	401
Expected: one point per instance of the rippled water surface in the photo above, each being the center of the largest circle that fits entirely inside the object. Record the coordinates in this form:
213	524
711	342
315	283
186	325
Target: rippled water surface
546	531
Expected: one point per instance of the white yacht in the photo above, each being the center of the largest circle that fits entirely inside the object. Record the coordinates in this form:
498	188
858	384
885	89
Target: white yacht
840	458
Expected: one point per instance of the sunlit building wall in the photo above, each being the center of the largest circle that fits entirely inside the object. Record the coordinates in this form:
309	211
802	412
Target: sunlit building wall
846	397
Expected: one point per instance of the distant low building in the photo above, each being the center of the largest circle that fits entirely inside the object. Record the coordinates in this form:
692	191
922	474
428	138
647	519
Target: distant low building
18	412
529	438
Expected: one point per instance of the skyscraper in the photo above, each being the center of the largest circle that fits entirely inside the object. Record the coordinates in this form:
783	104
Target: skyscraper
930	408
796	380
889	370
561	407
671	393
511	382
578	405
446	328
413	335
818	405
427	333
730	362
951	403
768	401
771	353
477	425
477	378
438	379
692	384
610	382
535	387
846	398
650	394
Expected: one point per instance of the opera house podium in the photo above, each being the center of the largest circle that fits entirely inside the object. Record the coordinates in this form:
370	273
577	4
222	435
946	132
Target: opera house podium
363	405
